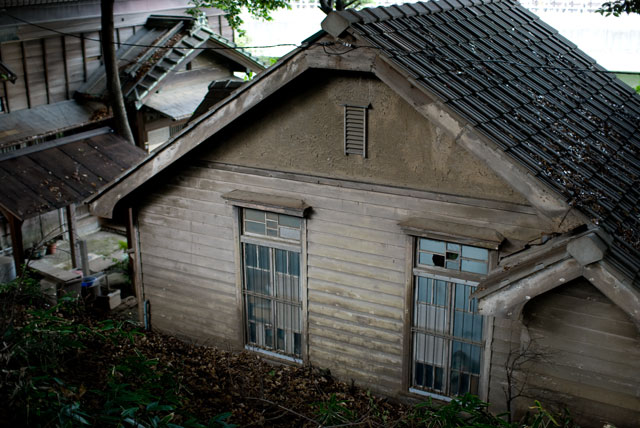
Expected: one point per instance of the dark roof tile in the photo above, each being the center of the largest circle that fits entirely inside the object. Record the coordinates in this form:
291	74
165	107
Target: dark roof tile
530	90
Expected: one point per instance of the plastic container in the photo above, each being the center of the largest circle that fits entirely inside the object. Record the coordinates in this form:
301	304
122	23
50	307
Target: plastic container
88	281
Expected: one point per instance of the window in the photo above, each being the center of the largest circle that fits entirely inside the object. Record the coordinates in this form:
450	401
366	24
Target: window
355	130
446	329
271	282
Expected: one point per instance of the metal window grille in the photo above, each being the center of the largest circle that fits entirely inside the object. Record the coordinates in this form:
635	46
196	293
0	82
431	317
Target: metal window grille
355	130
272	289
446	328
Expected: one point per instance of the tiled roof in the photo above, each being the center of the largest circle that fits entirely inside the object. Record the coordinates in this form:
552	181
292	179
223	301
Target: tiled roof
534	93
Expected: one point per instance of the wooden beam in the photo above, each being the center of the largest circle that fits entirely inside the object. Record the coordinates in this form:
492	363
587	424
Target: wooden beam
134	260
616	287
509	300
43	49
71	228
4	86
25	74
84	56
65	66
15	226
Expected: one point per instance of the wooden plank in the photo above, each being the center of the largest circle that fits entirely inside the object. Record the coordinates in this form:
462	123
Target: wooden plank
371	284
171	196
204	286
25	74
372	375
364	247
221	268
217	255
348	188
357	233
582	318
351	200
133	245
365	319
46	70
204	272
83	51
365	344
360	355
365	271
356	257
351	305
353	293
179	235
207	300
581	387
330	324
188	214
5	93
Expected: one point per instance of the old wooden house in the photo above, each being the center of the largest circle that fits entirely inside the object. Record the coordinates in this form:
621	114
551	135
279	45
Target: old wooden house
430	199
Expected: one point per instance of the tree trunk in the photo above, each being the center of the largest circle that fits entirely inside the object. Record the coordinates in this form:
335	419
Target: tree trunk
114	91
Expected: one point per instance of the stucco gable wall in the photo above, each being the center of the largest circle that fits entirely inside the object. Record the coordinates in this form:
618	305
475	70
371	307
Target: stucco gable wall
301	129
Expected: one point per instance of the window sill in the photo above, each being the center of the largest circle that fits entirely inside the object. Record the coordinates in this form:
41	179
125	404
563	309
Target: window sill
262	202
273	355
453	232
430	394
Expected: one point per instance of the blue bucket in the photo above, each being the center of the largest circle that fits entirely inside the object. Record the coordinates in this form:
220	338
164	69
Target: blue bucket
88	281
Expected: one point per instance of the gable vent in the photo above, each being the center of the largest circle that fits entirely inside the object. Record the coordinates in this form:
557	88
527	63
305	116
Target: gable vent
355	130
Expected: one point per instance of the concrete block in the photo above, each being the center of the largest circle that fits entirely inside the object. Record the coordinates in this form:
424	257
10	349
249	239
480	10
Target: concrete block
111	300
7	269
587	249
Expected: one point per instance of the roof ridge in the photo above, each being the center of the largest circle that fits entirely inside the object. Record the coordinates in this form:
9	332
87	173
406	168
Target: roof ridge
384	13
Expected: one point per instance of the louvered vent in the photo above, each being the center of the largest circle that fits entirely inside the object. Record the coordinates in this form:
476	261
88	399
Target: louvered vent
355	130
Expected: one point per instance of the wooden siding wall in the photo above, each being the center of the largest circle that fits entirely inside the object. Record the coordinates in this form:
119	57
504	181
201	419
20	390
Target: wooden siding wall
356	264
589	356
51	68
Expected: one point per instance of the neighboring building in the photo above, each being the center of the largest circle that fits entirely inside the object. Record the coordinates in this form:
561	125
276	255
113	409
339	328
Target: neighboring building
166	69
416	198
53	46
50	49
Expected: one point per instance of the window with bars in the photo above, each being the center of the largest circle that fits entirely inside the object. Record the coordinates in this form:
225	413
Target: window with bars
271	287
447	331
355	130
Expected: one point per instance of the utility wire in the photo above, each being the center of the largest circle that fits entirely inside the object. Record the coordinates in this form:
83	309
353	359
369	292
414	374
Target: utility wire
460	62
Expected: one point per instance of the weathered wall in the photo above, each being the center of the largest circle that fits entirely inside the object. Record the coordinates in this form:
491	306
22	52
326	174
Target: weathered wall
356	264
39	57
302	130
588	356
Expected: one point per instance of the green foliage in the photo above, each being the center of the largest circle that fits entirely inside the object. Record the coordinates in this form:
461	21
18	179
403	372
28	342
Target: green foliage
333	411
617	7
258	8
41	346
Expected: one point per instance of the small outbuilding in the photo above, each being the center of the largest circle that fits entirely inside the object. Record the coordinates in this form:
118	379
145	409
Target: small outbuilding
430	199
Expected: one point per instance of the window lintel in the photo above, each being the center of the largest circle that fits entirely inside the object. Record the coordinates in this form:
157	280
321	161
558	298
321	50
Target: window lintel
260	201
453	232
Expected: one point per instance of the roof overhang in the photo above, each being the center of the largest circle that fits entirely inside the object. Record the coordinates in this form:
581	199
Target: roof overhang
245	98
55	174
535	271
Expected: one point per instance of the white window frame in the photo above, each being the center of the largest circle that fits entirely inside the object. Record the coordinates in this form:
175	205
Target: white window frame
453	277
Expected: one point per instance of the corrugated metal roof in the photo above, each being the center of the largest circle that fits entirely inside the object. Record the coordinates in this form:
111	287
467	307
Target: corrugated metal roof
52	175
22	126
535	94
